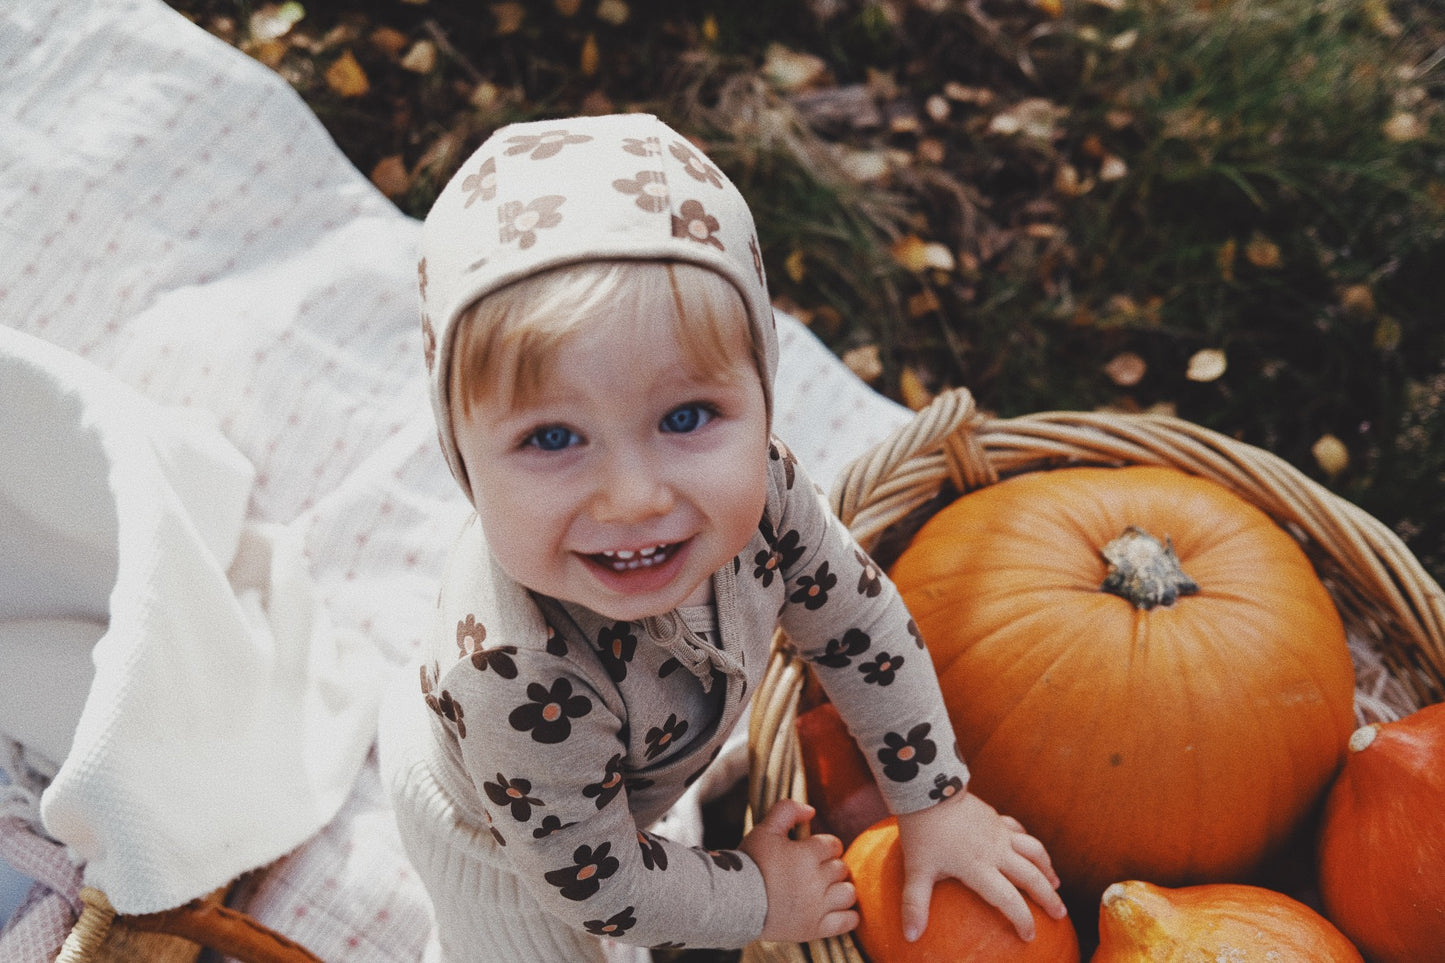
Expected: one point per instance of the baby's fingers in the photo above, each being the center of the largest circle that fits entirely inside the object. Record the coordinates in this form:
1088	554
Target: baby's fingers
1027	876
1032	850
917	894
837	923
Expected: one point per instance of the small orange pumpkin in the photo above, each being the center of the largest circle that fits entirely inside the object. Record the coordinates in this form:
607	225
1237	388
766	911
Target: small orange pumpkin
1166	708
840	784
1382	840
1143	923
962	928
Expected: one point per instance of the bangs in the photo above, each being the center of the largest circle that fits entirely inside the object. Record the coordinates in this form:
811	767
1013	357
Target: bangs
509	339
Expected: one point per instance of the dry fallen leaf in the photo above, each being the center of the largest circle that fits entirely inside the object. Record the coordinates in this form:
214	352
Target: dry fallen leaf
268	52
1034	117
864	362
922	303
931	150
614	12
485	96
864	166
791	69
1224	257
1388	333
963	94
794	267
1068	183
590	57
388	40
390	176
1126	369
1404	127
1358	300
910	386
1113	168
509	17
917	255
1206	365
1263	253
346	77
1331	455
421	58
274	20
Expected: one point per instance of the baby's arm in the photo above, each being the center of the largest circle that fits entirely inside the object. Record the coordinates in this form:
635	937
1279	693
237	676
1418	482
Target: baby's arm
809	894
847	619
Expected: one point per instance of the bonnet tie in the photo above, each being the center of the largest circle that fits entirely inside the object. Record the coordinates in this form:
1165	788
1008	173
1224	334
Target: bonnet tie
695	653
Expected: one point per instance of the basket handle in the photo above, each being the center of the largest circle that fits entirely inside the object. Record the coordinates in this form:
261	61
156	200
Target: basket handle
905	469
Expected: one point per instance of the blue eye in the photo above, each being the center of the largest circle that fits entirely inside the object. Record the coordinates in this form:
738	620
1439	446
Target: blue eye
688	418
553	438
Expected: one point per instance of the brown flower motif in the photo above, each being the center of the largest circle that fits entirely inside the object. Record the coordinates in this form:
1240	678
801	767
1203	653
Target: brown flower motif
470	635
521	222
695	166
650	189
483	184
547	144
515	794
549	712
696	223
441	702
584	877
615	925
659	738
902	755
642	146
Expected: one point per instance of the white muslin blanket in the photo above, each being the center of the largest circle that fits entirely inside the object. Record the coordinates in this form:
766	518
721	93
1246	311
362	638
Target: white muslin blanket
221	722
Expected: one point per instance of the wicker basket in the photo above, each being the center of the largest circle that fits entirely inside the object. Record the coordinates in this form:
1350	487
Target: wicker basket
1394	613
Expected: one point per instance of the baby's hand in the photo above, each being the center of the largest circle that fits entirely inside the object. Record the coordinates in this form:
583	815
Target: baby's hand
809	894
966	838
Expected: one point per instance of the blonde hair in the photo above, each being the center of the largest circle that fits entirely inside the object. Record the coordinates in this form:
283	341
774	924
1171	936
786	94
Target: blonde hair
529	320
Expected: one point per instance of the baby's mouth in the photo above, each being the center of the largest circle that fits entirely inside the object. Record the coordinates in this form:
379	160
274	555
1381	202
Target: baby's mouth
629	560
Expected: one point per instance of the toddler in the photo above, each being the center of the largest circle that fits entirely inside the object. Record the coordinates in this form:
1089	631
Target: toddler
602	351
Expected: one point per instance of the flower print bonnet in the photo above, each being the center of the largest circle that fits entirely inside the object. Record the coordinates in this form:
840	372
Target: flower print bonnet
543	194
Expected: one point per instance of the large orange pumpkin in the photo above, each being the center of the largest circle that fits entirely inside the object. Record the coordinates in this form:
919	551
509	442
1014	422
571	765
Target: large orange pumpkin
962	928
1176	731
1382	842
1143	923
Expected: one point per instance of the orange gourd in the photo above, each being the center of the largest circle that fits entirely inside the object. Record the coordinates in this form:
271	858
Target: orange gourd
1143	923
1178	730
1382	841
840	784
962	928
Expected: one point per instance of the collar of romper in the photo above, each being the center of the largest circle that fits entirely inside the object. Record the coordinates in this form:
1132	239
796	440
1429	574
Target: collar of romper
698	656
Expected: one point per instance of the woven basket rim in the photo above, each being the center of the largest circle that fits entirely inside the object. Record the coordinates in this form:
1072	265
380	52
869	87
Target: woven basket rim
1381	590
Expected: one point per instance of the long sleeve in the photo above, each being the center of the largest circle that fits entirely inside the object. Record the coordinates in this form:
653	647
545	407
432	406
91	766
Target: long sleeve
847	619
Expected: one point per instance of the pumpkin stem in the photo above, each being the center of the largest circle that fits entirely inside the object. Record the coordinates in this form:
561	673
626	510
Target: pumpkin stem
1144	570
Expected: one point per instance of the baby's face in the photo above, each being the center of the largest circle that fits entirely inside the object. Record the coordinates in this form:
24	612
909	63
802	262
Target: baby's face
628	479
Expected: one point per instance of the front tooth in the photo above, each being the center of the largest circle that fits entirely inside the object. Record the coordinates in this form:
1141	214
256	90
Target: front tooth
647	552
625	554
